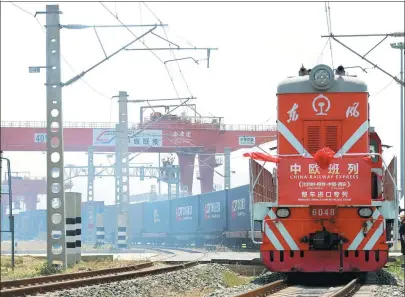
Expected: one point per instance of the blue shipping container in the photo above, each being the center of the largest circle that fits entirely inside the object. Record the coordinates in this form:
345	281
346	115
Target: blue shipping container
17	225
213	212
238	208
39	221
25	229
136	212
184	214
156	218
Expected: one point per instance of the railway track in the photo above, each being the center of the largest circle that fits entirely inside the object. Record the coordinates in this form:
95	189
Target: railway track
281	288
79	279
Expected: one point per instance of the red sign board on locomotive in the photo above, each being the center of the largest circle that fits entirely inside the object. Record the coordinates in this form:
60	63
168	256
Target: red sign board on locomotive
344	182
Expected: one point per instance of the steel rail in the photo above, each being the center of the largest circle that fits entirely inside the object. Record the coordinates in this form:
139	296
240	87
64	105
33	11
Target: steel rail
347	289
72	283
267	289
67	276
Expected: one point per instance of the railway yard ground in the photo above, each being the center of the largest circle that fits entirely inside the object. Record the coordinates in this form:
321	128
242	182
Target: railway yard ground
33	266
212	273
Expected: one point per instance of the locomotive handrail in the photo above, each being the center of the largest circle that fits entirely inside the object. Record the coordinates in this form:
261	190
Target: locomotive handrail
397	191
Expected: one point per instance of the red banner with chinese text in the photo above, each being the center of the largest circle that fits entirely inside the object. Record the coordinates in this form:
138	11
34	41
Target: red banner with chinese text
344	182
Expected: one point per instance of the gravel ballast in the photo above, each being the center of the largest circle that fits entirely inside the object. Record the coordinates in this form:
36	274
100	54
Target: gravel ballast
388	285
204	280
194	281
261	280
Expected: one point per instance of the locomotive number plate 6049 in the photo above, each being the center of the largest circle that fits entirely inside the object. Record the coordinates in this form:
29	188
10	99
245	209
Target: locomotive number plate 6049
323	212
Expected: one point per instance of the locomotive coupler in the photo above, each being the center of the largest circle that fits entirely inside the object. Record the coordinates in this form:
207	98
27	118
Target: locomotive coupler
323	240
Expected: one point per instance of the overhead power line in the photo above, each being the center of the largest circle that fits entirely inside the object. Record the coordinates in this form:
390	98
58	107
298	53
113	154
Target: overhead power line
396	34
170	111
130	31
384	88
329	25
63	58
323	50
172	52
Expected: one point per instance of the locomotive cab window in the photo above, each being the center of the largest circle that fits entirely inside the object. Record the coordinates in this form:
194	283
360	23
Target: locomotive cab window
374	186
374	149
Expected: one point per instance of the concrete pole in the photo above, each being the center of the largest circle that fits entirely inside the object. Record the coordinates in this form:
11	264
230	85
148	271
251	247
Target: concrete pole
56	244
100	232
122	228
91	237
121	150
118	167
70	228
78	212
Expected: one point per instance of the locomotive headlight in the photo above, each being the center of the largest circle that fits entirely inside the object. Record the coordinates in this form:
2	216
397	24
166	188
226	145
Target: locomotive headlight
322	77
283	212
365	212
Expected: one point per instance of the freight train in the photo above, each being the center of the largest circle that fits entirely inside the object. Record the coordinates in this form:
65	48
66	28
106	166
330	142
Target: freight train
219	218
329	204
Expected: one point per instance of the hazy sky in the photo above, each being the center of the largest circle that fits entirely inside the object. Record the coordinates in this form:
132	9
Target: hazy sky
259	45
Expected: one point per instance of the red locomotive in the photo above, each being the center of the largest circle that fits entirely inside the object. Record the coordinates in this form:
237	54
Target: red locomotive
322	208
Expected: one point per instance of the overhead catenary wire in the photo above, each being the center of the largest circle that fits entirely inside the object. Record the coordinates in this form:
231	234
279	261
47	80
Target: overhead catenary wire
323	50
329	25
19	7
173	54
42	27
140	16
170	76
129	30
385	87
63	58
100	92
